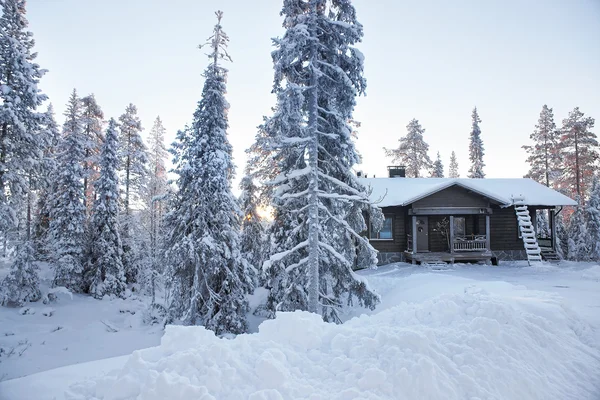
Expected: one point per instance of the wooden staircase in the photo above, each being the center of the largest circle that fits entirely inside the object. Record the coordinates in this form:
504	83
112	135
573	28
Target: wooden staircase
549	255
534	253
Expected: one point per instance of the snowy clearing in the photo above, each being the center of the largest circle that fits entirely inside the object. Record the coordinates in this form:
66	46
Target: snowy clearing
508	332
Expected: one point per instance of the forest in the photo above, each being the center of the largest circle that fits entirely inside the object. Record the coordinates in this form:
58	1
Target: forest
97	203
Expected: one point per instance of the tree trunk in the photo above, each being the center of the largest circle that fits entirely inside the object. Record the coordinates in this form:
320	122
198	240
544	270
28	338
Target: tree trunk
313	153
577	165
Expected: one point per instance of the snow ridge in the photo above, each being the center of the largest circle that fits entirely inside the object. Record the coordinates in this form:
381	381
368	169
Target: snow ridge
470	345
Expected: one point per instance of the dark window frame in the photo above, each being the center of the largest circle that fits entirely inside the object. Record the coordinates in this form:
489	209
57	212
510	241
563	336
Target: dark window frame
377	234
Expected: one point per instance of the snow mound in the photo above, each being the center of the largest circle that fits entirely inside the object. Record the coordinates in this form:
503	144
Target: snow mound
461	346
592	273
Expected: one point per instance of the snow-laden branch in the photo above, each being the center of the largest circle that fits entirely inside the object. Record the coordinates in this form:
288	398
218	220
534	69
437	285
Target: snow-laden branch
280	256
342	223
341	184
291	267
334	253
337	196
294	195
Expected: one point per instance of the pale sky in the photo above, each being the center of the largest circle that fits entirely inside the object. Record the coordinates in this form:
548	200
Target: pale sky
430	60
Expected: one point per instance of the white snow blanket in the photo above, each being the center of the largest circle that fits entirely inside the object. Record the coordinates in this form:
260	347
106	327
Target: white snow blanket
469	345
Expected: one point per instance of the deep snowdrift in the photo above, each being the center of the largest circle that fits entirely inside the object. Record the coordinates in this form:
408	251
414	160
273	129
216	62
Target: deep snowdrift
455	346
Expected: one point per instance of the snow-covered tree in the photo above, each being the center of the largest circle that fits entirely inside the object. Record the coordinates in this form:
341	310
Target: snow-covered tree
542	224
46	183
22	284
476	150
578	235
593	220
20	144
317	199
437	170
133	164
207	277
67	212
562	237
157	190
92	121
543	155
254	247
579	153
412	152
453	167
106	273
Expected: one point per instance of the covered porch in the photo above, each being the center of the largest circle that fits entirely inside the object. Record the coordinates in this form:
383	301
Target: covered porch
449	234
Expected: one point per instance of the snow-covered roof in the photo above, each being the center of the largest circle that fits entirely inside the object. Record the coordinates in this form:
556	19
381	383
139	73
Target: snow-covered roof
403	191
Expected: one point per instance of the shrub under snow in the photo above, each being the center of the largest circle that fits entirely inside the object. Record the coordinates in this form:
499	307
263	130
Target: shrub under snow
468	346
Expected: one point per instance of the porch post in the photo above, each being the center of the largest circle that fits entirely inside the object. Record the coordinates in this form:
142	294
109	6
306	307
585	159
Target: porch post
487	232
414	234
451	234
552	218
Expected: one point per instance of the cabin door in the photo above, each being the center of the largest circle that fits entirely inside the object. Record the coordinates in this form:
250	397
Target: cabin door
422	234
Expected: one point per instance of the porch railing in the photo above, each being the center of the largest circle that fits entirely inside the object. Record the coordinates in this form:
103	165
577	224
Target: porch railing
470	243
409	242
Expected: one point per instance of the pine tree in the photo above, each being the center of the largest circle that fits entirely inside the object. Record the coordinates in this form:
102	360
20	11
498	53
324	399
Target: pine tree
208	278
476	150
579	152
107	274
544	159
22	284
412	152
67	215
562	237
578	235
20	144
92	119
453	167
253	243
45	186
157	189
133	165
593	220
318	201
438	168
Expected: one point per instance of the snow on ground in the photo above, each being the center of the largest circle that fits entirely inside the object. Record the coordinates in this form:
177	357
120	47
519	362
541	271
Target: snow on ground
508	332
74	329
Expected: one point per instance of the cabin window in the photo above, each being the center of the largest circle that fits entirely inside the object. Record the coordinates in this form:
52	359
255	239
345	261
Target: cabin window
386	230
459	226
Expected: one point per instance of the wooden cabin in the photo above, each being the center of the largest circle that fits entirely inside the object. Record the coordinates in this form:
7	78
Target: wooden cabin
433	220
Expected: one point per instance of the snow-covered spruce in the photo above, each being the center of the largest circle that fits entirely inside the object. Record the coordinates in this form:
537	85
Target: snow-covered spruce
307	158
579	152
476	150
22	283
578	236
437	170
46	185
253	240
412	152
92	122
562	237
21	145
106	272
133	168
156	192
543	156
207	277
453	166
592	212
67	215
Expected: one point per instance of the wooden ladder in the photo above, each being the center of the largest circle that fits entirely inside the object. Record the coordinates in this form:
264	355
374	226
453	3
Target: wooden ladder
534	253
